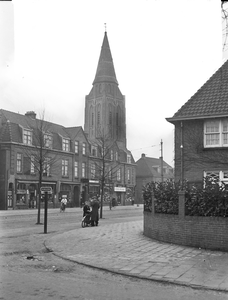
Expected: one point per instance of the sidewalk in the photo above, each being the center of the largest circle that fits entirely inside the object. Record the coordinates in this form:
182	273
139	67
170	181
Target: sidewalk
122	248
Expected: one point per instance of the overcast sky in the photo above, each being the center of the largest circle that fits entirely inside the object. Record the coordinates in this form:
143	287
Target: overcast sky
163	52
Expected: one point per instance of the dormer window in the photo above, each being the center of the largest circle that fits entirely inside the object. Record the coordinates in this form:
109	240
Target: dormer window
94	151
129	158
66	145
47	141
27	137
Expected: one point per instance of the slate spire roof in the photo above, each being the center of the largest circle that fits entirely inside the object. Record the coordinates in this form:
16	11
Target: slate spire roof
211	100
105	69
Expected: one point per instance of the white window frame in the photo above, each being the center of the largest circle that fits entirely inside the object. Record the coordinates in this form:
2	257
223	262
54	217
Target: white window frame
66	144
47	141
76	147
118	175
65	167
76	169
111	154
221	175
27	136
32	165
83	148
94	150
19	163
83	170
46	166
220	133
93	170
129	158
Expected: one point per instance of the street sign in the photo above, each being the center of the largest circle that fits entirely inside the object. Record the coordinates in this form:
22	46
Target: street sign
46	189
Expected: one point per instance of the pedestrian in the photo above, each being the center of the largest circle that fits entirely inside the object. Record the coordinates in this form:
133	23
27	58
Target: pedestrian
86	209
113	202
95	212
110	204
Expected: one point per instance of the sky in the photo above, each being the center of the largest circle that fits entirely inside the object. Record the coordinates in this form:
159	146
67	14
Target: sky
163	52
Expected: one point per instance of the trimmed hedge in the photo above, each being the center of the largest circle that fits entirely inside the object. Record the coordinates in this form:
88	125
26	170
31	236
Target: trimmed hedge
209	200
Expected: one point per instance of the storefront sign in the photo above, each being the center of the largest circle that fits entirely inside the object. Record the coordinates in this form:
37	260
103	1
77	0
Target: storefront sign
94	181
21	192
119	189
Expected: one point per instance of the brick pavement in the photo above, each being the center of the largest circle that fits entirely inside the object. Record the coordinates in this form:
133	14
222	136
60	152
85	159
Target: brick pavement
122	248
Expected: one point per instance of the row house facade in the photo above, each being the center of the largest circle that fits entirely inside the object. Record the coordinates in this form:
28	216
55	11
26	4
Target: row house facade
63	152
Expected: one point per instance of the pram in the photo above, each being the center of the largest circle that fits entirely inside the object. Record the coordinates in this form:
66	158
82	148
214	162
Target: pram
86	220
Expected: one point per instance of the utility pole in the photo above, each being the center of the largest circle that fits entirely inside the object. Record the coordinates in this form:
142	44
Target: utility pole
162	177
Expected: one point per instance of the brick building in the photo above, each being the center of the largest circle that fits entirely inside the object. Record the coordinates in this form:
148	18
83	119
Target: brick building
201	131
64	155
149	169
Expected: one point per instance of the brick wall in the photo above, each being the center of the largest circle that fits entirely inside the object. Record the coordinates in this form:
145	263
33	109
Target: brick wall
202	232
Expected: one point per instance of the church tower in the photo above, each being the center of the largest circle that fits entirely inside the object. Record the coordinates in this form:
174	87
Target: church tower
105	105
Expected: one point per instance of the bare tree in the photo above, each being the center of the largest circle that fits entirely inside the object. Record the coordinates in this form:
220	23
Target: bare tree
105	166
224	9
39	154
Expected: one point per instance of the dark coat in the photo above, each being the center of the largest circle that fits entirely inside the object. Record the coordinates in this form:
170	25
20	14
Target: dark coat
94	215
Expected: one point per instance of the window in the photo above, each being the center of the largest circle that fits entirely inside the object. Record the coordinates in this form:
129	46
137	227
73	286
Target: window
75	169
109	173
46	166
129	158
66	145
32	166
117	156
84	148
98	117
19	162
217	176
93	170
47	141
27	137
118	175
64	167
83	170
94	151
216	133
128	176
76	146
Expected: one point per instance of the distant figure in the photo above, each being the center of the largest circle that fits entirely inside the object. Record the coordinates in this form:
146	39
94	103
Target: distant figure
63	204
94	214
86	209
113	202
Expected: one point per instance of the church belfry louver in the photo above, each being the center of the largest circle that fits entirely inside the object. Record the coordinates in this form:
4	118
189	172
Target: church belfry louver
105	105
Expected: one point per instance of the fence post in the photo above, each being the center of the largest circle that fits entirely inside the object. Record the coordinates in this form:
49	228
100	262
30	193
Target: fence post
152	204
181	211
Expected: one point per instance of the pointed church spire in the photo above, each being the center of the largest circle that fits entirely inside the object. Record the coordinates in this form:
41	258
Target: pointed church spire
105	69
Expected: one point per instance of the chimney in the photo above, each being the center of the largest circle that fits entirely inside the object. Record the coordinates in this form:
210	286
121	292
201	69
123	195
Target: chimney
31	114
143	155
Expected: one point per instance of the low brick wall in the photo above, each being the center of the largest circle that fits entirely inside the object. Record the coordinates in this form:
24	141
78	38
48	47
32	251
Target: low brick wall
202	232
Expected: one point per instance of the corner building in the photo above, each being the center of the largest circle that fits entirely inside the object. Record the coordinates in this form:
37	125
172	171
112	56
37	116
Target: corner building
105	114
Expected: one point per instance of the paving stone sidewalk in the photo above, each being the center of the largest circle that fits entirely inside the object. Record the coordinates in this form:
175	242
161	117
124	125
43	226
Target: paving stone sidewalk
122	248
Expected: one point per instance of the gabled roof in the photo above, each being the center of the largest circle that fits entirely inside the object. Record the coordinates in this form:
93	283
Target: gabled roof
105	69
147	167
12	123
211	100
